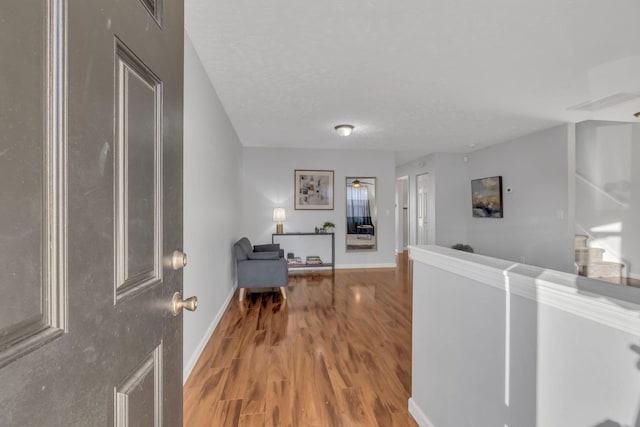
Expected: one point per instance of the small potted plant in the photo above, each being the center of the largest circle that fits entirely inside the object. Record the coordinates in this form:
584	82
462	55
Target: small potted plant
328	227
462	247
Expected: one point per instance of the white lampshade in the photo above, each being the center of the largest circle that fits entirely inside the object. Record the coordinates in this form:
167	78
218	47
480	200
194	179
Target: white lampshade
279	215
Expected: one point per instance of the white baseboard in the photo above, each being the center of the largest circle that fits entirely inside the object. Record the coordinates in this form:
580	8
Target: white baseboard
379	265
418	415
191	363
634	276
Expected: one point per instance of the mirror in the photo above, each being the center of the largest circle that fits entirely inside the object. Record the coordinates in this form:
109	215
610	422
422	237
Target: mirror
362	213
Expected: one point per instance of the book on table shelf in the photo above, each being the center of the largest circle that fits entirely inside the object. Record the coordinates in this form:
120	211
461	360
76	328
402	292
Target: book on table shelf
294	261
314	260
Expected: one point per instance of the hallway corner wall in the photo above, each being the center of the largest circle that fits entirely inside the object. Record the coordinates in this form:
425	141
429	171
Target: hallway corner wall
212	182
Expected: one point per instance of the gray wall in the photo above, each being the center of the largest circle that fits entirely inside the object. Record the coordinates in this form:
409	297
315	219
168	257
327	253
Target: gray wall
451	206
538	223
608	189
402	214
537	227
447	208
268	183
212	183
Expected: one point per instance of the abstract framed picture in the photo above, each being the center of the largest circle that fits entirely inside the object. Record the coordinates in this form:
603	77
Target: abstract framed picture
313	189
486	197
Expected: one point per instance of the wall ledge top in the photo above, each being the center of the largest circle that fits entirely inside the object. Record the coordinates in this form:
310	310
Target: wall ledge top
613	305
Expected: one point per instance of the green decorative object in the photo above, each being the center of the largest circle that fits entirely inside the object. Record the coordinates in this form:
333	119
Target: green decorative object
328	224
462	247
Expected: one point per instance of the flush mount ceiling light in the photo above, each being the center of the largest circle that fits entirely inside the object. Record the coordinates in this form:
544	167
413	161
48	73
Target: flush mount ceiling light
344	130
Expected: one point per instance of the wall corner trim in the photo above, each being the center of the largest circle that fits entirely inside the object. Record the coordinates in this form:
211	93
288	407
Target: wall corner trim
418	415
608	304
191	363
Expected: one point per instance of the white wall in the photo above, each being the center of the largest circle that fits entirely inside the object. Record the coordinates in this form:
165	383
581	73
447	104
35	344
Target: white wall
212	183
608	189
451	206
497	344
268	183
402	213
538	223
446	203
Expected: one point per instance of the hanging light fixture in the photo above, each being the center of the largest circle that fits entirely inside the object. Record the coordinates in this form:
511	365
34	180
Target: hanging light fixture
344	130
356	183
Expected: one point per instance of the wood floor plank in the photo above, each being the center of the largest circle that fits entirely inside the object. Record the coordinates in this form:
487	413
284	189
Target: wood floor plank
324	394
225	354
255	393
357	412
336	353
225	413
251	420
236	385
403	420
304	405
279	363
278	413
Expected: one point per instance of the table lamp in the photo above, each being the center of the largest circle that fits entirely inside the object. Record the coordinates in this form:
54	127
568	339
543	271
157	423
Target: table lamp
278	217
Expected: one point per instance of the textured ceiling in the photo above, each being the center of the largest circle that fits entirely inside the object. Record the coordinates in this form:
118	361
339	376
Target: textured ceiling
415	76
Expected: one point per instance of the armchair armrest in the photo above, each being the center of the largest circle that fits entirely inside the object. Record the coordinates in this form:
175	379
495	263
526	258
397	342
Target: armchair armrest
263	255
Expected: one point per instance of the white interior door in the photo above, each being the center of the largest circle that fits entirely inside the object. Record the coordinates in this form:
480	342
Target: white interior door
422	209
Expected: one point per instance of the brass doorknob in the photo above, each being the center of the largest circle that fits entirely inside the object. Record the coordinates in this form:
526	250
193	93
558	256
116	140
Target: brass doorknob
178	260
177	304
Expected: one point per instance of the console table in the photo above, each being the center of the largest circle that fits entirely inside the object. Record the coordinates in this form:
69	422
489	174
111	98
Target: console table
305	235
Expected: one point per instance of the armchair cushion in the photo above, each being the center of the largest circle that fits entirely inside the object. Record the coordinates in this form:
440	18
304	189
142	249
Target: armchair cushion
271	247
263	255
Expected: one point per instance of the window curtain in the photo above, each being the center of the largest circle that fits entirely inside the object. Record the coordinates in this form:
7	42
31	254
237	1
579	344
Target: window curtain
358	210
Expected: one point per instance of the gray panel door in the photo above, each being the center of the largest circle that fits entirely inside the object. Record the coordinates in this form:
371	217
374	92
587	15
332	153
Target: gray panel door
90	212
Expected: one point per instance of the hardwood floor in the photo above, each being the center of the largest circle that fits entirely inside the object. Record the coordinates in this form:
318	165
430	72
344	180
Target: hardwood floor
337	352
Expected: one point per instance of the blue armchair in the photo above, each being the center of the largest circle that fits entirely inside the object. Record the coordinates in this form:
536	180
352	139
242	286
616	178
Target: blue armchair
260	266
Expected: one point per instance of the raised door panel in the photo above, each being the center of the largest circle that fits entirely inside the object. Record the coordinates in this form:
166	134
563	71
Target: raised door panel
32	154
139	396
138	176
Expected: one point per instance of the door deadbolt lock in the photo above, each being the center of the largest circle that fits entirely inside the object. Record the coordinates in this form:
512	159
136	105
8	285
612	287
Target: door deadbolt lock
177	304
178	260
